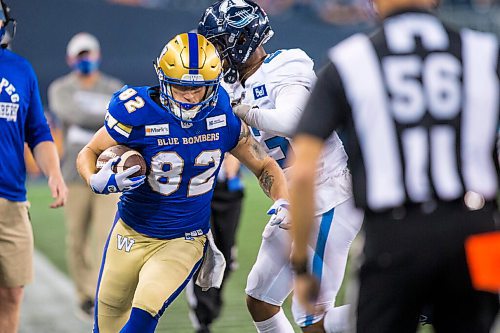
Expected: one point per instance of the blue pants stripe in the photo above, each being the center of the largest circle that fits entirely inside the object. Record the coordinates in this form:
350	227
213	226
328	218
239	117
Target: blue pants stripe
184	284
319	253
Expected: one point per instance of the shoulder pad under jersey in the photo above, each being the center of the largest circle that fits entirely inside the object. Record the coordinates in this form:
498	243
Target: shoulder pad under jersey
130	105
223	100
234	90
292	65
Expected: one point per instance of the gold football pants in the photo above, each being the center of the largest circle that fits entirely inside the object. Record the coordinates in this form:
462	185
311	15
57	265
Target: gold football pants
142	272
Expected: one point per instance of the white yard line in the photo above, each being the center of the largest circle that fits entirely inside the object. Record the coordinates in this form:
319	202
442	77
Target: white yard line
50	302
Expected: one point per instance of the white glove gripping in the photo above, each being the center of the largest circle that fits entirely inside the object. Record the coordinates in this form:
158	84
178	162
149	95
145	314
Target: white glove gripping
242	111
106	181
279	214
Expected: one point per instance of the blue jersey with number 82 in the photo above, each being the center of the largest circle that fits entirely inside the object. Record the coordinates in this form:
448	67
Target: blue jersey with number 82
183	161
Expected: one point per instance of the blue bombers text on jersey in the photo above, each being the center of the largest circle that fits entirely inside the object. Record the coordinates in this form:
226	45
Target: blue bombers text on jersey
183	161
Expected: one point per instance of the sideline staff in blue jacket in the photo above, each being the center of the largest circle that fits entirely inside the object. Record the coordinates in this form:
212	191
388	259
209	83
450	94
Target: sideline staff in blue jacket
21	120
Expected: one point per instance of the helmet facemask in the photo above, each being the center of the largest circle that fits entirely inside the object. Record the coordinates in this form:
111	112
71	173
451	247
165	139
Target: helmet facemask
183	110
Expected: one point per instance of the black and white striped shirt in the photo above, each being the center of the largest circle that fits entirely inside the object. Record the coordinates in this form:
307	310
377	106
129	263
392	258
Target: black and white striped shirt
420	104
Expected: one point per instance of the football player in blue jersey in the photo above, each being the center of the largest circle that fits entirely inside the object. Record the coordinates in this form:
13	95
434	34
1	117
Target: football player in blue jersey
21	121
182	127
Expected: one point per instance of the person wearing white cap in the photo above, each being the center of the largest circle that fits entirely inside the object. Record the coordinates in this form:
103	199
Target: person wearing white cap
83	53
79	100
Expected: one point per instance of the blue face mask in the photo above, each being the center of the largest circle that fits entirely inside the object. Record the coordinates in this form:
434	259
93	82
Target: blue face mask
86	66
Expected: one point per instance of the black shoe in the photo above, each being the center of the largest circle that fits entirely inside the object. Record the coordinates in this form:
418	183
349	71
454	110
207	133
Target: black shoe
426	316
203	329
86	310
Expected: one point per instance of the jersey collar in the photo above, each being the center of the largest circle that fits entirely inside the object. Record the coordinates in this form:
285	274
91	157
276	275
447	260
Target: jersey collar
407	10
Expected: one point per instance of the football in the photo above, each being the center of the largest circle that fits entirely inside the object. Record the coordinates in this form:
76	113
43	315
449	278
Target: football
129	158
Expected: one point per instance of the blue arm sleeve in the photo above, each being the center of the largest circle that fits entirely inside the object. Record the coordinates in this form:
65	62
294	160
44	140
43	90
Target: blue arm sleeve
36	127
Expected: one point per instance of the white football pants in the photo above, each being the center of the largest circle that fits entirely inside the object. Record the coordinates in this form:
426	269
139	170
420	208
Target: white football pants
271	277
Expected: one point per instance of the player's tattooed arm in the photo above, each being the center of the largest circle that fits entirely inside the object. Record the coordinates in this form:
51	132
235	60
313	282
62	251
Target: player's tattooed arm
271	177
266	182
255	148
244	132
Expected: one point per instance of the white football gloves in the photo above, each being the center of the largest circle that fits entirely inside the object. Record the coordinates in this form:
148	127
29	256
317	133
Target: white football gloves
279	214
241	110
106	181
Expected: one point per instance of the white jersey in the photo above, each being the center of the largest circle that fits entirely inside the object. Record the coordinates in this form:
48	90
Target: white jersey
281	69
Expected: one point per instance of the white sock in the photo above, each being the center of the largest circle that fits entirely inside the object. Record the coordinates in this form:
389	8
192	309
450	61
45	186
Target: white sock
337	320
276	324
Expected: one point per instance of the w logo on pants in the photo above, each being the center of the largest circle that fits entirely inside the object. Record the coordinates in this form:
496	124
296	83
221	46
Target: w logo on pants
125	242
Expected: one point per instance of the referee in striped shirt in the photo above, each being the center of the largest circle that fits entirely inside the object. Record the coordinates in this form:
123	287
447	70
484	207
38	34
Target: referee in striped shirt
419	102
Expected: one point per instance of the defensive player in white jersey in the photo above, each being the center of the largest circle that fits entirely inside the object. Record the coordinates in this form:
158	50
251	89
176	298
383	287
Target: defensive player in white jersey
271	90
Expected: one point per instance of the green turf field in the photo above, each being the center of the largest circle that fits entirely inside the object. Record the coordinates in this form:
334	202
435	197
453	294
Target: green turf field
48	227
49	231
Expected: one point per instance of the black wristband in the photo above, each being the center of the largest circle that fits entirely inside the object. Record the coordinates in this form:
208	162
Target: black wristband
299	267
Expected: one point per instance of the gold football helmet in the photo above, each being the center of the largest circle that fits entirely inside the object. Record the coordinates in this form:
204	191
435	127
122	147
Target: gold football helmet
189	60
